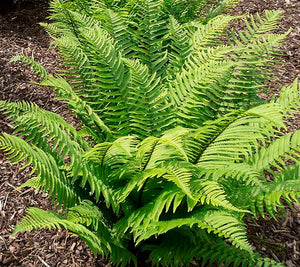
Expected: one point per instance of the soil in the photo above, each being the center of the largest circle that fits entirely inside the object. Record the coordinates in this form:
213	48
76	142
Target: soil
20	32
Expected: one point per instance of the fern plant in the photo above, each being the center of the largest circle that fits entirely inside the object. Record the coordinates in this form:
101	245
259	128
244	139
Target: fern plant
174	148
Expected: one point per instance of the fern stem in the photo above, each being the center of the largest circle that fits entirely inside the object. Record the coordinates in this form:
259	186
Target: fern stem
213	139
72	25
144	185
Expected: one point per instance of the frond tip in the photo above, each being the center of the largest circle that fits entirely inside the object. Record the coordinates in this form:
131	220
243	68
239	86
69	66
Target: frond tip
38	68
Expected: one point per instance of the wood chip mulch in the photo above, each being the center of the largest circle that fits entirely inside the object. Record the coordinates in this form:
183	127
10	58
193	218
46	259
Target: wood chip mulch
20	32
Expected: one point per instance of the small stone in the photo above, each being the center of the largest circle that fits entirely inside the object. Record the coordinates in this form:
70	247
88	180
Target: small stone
12	249
289	263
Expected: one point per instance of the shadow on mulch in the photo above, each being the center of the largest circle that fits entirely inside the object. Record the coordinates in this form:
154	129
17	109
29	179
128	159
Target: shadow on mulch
23	21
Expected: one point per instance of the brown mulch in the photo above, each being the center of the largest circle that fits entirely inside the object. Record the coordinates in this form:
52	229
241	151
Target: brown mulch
19	32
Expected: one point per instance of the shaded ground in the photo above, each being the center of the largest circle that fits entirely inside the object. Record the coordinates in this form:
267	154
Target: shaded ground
19	32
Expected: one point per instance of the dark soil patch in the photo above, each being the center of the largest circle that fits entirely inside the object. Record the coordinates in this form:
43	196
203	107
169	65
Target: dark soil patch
20	32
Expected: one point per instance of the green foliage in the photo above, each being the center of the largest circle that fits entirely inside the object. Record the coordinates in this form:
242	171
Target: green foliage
174	147
204	10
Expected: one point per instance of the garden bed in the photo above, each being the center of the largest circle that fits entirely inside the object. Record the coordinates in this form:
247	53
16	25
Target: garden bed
19	32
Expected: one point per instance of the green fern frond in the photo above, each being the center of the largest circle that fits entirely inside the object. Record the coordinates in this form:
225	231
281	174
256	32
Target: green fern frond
191	95
258	49
240	136
150	34
151	212
112	153
41	130
269	197
48	172
34	182
154	150
209	34
110	68
86	213
210	251
37	218
212	193
52	29
218	253
183	10
180	175
287	146
175	246
180	47
14	109
222	6
218	142
74	55
150	114
117	26
37	68
220	223
289	97
80	107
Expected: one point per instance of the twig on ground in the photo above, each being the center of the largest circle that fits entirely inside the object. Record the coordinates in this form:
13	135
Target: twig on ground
42	261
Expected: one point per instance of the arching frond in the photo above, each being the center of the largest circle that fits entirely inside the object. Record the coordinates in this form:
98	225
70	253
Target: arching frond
268	198
220	253
14	109
150	34
37	68
112	77
209	33
192	94
148	108
223	5
41	129
112	153
79	106
240	136
86	213
212	193
289	97
48	172
183	10
117	26
37	218
220	223
151	212
175	246
180	47
154	150
286	146
258	50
